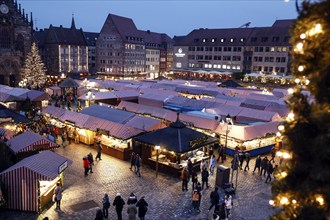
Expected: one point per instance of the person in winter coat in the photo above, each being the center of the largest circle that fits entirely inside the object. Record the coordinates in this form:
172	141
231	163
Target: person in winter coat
214	198
86	165
119	204
247	159
196	199
258	164
132	199
131	211
133	162
213	163
184	177
229	204
264	164
190	168
222	211
58	195
143	208
194	178
106	205
99	215
270	170
205	178
91	162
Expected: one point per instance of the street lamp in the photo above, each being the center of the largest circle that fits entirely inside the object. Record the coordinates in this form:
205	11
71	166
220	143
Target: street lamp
90	96
229	123
157	156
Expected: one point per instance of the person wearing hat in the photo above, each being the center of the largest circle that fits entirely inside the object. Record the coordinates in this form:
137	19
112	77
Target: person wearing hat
143	208
119	204
132	199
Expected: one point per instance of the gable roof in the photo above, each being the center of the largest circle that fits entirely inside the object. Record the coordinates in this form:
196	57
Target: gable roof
26	139
69	83
125	26
45	163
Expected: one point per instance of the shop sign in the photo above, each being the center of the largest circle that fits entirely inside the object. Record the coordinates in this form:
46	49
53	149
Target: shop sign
179	53
198	141
62	167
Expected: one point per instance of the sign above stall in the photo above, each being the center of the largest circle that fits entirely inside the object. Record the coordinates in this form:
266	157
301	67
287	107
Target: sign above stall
198	141
62	167
40	146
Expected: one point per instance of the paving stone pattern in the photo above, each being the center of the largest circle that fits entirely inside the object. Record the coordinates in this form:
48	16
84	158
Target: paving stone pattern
163	194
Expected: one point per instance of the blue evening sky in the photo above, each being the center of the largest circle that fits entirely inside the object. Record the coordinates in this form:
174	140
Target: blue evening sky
171	17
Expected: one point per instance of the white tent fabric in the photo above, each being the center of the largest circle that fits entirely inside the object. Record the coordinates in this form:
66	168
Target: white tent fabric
248	132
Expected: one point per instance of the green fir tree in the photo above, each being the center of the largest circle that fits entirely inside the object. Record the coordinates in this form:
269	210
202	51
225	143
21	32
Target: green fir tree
302	190
34	72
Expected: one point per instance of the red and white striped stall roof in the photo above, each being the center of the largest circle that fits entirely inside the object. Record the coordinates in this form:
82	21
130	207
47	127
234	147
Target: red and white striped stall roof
21	179
25	142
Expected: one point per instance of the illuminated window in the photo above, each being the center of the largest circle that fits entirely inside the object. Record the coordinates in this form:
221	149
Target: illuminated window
213	40
222	40
232	40
204	40
242	39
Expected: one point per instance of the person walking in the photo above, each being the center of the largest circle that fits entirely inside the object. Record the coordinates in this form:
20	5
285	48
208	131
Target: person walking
194	178
99	215
247	160
91	162
214	198
257	164
106	205
270	170
213	162
58	195
203	165
76	136
190	168
132	199
264	164
205	178
221	151
99	149
119	204
196	199
143	208
184	178
86	165
241	157
229	204
131	211
222	211
138	165
133	162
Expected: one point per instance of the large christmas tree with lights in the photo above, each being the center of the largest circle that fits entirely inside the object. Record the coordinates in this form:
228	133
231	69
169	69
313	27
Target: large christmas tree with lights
303	187
34	72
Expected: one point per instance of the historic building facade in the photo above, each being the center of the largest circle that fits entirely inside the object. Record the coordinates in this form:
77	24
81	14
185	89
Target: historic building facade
260	49
123	50
63	50
15	41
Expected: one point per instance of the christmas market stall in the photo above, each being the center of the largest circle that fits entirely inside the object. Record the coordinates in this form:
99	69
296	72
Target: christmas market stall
255	138
168	149
29	143
29	184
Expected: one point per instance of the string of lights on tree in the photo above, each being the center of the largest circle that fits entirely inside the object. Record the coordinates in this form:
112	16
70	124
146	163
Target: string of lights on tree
302	189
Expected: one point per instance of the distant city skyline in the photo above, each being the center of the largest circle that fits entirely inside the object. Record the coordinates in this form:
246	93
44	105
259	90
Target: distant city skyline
170	17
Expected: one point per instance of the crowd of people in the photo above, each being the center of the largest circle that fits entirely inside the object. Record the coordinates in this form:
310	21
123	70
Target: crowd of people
134	207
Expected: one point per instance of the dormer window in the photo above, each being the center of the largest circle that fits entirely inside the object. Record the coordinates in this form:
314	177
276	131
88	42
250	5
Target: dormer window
232	40
222	40
196	40
204	40
242	40
213	40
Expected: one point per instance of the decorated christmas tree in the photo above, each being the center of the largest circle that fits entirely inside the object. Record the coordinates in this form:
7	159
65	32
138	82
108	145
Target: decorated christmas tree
303	187
33	73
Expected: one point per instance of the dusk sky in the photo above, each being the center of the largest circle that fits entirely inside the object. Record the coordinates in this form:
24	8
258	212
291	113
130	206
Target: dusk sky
170	17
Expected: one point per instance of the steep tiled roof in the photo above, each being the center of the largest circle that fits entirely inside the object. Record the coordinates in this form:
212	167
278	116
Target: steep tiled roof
196	36
91	38
283	23
125	26
66	35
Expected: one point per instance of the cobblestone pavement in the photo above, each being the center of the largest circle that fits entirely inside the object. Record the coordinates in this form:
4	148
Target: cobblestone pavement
164	195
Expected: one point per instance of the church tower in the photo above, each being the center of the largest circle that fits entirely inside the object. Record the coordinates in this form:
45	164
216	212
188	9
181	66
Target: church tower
15	40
